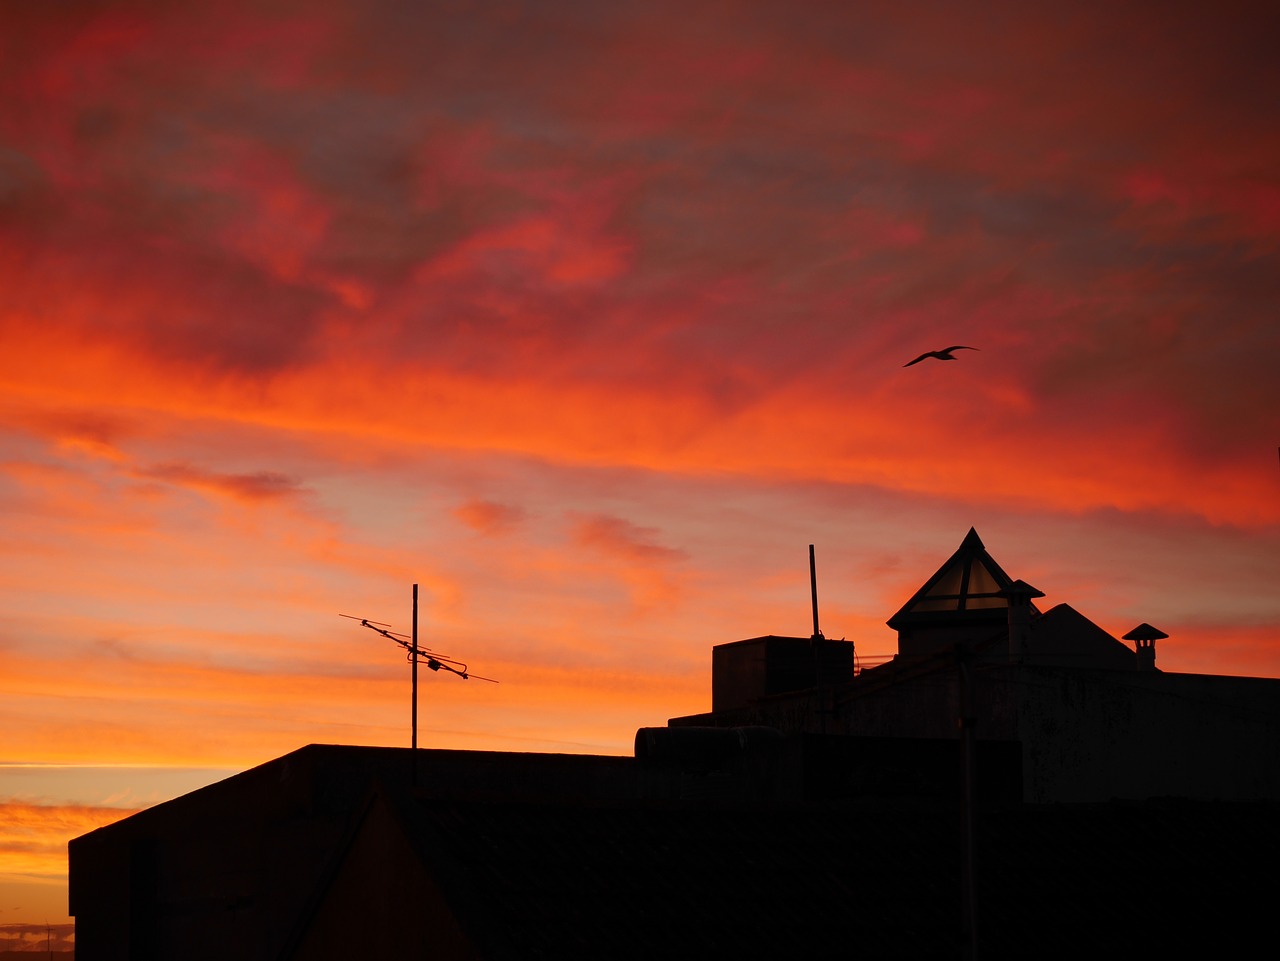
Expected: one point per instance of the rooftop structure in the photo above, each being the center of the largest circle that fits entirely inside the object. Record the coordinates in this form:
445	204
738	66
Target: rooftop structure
1095	718
1010	785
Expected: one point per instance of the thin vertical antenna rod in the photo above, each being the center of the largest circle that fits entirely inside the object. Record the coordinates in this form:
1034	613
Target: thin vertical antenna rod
813	590
414	658
434	660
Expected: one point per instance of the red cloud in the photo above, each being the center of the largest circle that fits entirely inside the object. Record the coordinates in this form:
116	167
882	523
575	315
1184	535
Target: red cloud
621	538
489	517
252	488
685	247
33	837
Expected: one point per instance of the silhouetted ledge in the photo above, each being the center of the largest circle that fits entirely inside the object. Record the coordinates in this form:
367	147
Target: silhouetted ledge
331	852
1114	808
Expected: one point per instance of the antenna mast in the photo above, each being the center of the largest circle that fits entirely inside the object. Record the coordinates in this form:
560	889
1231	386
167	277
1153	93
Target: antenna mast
435	661
413	656
813	591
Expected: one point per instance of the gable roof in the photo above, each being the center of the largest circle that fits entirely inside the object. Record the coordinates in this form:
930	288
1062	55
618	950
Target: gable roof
523	880
969	581
1064	636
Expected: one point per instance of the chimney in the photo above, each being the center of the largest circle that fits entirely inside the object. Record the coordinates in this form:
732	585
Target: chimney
1144	638
1019	595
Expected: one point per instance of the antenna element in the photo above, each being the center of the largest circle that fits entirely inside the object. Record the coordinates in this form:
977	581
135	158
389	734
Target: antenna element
435	661
813	591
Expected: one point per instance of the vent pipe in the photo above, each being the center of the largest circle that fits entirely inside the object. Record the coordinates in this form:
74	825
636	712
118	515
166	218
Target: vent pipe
1144	638
1019	595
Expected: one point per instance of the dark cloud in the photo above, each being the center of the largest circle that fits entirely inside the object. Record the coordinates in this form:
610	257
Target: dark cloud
253	488
620	538
23	933
656	199
105	429
489	517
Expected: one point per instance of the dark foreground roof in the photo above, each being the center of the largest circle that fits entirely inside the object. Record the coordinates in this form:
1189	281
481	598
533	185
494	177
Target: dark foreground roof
689	881
332	853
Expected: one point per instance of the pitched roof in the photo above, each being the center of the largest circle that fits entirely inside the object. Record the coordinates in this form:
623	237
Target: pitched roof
531	880
969	581
1064	636
336	841
1145	632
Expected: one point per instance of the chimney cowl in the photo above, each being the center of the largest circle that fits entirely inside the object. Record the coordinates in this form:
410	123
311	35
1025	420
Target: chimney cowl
1144	638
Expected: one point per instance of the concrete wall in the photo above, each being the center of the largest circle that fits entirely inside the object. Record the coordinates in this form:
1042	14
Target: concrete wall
1087	735
1101	735
759	667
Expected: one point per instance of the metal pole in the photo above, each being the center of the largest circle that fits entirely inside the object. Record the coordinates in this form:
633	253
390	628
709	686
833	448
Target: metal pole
968	856
414	658
813	590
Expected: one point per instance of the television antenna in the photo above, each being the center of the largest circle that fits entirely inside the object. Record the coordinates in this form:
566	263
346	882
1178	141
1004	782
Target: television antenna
434	660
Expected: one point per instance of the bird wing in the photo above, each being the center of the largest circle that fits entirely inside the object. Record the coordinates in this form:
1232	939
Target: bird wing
958	347
920	358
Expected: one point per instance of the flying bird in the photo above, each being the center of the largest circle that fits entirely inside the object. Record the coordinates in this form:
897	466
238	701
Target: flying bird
940	354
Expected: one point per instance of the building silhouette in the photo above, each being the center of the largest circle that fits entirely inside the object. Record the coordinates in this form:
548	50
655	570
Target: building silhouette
1014	783
1095	718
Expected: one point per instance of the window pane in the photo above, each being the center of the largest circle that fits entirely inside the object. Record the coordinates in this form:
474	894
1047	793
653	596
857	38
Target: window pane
949	583
980	579
936	604
973	603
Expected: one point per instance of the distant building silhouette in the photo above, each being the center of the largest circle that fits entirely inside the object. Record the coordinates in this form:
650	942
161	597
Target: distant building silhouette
815	808
1095	718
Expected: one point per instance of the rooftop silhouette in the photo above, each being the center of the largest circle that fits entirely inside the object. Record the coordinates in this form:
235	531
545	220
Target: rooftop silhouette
815	805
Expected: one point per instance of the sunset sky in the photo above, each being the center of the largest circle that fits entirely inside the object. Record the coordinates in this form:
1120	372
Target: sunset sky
589	318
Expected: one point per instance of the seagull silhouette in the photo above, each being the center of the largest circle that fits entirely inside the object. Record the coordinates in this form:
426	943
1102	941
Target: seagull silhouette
939	354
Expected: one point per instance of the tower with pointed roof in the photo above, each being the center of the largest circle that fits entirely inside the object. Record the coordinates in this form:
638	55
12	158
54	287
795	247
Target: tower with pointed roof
966	602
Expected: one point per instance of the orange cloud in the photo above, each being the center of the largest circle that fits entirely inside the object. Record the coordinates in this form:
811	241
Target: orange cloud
619	537
38	937
280	343
1196	648
901	438
488	517
255	487
33	837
